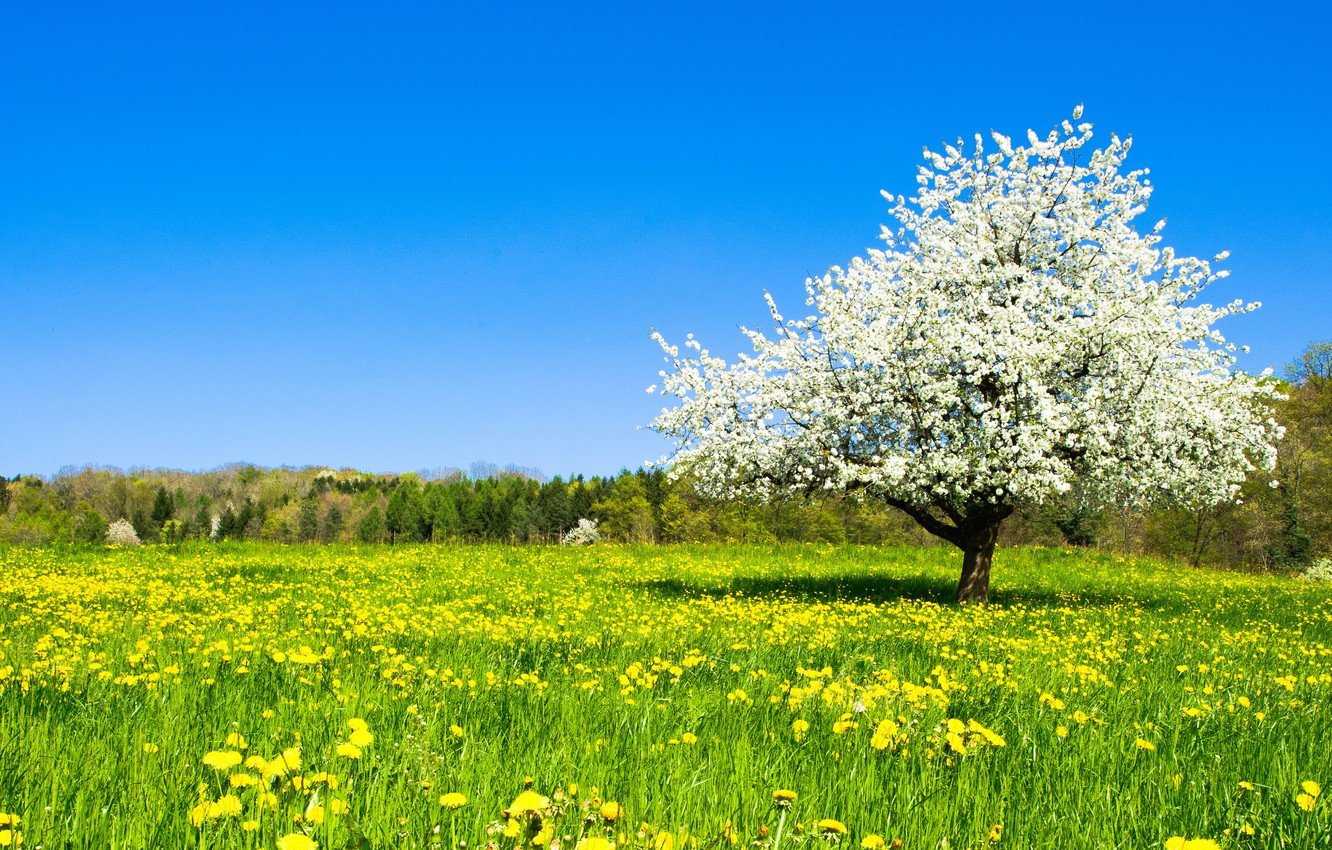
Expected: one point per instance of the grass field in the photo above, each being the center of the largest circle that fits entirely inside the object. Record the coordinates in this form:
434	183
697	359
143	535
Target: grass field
248	696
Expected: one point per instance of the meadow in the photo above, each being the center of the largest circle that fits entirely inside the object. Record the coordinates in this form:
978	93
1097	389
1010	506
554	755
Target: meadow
671	698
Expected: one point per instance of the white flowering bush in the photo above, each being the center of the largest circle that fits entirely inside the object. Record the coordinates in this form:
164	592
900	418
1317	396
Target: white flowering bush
121	533
583	534
1319	570
1018	333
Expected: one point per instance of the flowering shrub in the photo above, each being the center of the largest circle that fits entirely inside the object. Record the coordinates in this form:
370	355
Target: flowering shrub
1319	570
121	533
584	534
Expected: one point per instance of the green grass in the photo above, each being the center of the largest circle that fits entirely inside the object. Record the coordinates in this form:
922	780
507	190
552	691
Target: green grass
589	667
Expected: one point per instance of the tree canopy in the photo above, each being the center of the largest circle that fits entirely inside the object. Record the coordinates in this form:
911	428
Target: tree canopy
1017	336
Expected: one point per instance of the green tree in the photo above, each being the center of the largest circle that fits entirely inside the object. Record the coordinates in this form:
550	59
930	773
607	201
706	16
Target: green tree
627	514
445	522
89	525
402	518
333	524
371	527
163	507
308	524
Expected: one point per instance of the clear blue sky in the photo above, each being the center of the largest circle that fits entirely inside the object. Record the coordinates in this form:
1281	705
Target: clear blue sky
397	236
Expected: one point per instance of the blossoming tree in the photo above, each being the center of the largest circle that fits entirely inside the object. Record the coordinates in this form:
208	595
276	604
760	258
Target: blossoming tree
1017	334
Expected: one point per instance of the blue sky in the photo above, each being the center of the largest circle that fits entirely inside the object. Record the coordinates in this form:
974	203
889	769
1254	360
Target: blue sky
396	236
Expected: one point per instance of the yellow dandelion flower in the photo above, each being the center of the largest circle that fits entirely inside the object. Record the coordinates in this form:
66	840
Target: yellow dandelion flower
453	800
830	825
528	802
595	843
348	751
1144	744
872	842
296	841
361	738
222	759
610	811
782	798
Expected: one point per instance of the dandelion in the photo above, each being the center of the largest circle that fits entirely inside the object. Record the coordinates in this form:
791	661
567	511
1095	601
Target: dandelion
830	825
360	735
800	728
595	843
222	759
610	811
453	800
1144	744
348	750
1180	843
296	841
872	842
528	802
884	734
782	798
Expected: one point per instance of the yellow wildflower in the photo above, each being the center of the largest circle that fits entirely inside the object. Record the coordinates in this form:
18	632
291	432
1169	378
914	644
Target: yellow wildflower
528	802
222	759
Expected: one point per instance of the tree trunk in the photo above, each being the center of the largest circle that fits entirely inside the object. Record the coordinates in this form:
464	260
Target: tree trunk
977	553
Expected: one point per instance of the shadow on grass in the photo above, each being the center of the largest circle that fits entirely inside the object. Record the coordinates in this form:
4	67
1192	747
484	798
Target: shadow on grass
879	590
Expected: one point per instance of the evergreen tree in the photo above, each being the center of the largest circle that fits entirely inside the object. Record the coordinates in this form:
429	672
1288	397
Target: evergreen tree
555	513
333	522
229	525
308	524
163	507
89	525
371	527
446	523
203	522
402	518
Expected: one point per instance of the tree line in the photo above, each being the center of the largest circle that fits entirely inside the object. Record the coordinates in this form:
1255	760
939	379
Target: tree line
1283	520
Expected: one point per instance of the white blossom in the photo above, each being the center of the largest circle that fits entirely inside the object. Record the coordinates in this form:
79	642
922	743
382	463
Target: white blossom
1016	334
121	533
583	534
